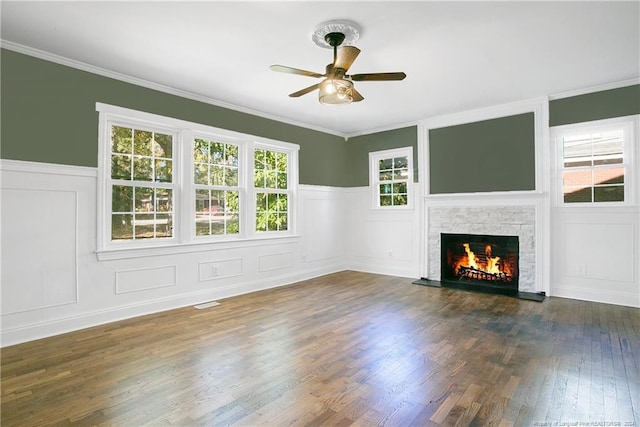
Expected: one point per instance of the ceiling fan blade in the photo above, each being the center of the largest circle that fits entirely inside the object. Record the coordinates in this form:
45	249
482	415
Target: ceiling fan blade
357	97
345	57
285	69
304	91
377	77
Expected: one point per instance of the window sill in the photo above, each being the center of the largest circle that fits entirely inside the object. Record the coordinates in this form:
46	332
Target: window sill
191	247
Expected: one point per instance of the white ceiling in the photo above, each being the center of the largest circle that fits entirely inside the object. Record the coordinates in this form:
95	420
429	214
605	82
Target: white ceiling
457	55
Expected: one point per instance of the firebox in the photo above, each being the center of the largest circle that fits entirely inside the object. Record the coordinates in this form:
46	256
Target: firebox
480	262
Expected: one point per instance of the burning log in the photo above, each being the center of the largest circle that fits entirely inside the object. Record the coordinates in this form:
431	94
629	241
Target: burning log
475	274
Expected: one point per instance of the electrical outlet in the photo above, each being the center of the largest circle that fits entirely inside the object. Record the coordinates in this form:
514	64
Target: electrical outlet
214	271
581	270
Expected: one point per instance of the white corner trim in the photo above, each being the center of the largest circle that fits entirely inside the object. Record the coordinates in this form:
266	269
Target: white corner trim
51	57
593	89
7	165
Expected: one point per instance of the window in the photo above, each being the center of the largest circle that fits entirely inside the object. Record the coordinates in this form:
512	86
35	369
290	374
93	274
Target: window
391	178
217	188
141	183
271	181
594	161
165	182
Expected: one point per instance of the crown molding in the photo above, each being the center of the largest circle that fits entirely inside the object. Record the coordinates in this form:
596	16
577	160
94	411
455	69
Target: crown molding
72	63
381	129
592	89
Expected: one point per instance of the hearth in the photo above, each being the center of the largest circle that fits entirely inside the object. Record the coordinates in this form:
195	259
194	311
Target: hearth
480	262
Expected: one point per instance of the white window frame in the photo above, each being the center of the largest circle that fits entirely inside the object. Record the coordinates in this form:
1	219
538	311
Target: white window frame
184	238
629	125
374	176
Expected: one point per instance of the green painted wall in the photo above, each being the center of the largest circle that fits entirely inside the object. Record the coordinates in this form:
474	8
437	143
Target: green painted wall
359	147
491	155
48	115
605	104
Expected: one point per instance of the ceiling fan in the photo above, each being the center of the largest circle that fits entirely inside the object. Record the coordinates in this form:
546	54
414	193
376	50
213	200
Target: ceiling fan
337	86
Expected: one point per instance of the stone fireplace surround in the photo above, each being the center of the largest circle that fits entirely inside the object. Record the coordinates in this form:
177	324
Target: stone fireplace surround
483	218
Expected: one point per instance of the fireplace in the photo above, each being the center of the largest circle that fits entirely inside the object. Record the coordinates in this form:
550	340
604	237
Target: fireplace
480	262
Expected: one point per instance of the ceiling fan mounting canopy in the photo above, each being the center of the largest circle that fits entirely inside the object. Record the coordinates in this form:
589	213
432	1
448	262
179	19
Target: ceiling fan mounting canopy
351	32
337	88
334	39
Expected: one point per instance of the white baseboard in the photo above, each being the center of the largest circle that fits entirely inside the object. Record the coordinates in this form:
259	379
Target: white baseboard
605	296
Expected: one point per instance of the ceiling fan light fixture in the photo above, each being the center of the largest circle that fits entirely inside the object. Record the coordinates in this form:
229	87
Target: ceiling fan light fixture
336	92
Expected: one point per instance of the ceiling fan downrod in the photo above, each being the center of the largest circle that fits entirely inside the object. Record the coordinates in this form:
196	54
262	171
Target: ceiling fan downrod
334	40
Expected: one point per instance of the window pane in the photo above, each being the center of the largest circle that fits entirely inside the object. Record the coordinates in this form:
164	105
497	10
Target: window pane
385	164
272	221
400	187
577	151
386	176
386	200
270	160
261	202
282	222
163	145
608	176
142	143
283	203
282	180
259	159
163	170
271	177
607	148
164	226
233	225
202	213
272	202
609	193
281	161
164	200
142	169
232	201
144	226
121	227
231	177
122	199
232	155
258	181
401	174
400	163
577	194
385	188
201	174
579	178
201	151
121	167
216	175
217	153
144	199
121	140
399	199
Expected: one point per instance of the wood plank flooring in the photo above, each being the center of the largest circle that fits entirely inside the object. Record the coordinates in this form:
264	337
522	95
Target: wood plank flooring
347	349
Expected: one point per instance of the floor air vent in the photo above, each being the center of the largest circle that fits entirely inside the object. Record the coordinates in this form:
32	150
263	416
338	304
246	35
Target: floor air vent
206	305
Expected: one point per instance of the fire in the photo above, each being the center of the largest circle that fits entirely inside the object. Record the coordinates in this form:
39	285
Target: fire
488	263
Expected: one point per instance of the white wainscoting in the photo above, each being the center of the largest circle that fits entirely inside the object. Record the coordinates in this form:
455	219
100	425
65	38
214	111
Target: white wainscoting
596	254
383	241
53	282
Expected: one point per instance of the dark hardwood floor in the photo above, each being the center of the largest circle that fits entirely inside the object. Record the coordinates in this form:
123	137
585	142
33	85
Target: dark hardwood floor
345	349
